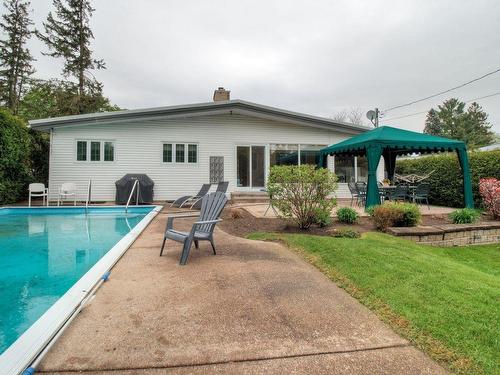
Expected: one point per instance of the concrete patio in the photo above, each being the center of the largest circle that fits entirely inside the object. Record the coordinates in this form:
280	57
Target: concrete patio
259	209
254	308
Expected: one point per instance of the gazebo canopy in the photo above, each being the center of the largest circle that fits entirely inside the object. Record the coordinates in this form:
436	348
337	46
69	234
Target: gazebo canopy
390	142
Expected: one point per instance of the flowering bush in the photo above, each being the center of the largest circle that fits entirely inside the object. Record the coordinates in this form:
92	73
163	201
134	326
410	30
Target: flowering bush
489	188
394	214
302	193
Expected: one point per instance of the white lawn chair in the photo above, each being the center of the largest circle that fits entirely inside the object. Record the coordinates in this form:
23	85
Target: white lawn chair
38	190
68	189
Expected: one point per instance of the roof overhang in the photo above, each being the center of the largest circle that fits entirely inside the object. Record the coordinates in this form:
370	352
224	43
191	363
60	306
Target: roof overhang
200	109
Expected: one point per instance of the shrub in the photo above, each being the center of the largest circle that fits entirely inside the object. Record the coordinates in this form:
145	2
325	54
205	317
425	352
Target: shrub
347	215
489	188
465	216
346	233
446	180
394	214
14	158
369	210
323	218
235	213
300	193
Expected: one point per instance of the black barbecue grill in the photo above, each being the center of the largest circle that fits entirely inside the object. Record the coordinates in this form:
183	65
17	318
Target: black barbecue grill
125	184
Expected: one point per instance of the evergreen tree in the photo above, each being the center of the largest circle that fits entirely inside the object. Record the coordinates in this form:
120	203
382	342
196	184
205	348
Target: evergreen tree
68	35
477	128
15	58
451	120
432	123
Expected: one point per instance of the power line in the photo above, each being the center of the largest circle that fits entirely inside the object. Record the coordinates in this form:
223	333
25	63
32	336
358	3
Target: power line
483	97
419	113
443	92
397	118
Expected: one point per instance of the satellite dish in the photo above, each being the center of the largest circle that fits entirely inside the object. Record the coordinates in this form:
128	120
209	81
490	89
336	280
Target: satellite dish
370	115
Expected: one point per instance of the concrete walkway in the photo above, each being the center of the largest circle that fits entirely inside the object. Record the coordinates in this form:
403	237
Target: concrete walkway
254	308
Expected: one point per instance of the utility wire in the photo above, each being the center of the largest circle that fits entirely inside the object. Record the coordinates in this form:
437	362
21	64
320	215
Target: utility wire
419	113
443	92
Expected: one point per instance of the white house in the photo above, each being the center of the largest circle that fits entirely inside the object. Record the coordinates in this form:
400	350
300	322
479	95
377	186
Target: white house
181	147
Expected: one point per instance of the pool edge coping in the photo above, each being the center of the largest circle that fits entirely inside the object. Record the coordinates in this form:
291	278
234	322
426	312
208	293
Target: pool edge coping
28	347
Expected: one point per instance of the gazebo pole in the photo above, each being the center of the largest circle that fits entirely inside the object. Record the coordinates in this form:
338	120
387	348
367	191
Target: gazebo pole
464	164
373	153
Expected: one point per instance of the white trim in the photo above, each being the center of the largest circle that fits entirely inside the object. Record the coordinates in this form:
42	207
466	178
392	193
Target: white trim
32	342
200	109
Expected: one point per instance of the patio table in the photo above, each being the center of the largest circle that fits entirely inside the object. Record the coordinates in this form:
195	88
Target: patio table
387	189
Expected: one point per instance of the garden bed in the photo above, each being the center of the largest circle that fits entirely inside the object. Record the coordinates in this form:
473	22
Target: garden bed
246	223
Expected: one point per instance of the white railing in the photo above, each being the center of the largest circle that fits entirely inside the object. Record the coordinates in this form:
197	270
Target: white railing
89	193
136	188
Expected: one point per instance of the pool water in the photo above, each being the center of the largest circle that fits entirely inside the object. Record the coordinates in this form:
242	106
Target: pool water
44	251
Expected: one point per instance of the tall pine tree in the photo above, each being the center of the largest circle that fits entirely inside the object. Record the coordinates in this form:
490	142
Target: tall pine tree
68	35
452	120
15	59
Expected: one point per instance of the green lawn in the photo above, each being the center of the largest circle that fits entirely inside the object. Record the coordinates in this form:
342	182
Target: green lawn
445	300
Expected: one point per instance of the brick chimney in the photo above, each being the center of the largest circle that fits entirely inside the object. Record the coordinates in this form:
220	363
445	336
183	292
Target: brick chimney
221	94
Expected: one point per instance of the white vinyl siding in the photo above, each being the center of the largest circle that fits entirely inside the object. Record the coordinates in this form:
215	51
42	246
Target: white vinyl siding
138	148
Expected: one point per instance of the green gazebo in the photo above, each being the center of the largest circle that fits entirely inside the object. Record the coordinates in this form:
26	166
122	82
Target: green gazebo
390	142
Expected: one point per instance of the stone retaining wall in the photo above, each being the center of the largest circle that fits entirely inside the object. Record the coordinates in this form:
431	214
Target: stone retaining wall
451	234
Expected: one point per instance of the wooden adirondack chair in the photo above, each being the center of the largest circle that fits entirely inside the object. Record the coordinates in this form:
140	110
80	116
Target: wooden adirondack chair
211	207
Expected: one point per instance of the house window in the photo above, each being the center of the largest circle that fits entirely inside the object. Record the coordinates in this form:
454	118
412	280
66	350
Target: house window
180	153
309	154
109	151
283	154
167	152
81	151
361	169
192	153
95	151
344	168
292	154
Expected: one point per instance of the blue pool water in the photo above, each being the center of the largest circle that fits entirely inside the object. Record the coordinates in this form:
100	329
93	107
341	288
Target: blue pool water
44	251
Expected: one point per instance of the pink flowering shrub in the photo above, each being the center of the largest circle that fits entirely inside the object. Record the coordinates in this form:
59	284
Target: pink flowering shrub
489	188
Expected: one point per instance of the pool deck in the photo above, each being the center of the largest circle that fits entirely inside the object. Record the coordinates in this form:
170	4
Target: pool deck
255	308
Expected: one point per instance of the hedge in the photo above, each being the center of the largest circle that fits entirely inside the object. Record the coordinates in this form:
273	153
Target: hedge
446	180
15	152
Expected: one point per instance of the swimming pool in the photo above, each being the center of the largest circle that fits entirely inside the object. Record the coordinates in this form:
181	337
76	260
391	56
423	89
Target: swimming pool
46	252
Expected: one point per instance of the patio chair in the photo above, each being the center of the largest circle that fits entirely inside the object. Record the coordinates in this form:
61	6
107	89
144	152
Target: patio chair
361	191
221	188
353	191
186	199
38	190
202	230
400	192
421	194
67	190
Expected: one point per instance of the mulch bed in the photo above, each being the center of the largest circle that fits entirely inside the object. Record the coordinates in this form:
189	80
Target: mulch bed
246	223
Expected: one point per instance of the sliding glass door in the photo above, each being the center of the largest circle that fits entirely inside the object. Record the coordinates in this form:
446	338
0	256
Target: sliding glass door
251	166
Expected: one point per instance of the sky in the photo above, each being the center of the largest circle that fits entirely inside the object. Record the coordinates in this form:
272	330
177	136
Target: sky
317	57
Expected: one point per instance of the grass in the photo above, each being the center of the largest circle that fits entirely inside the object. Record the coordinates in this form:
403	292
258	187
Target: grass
445	300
